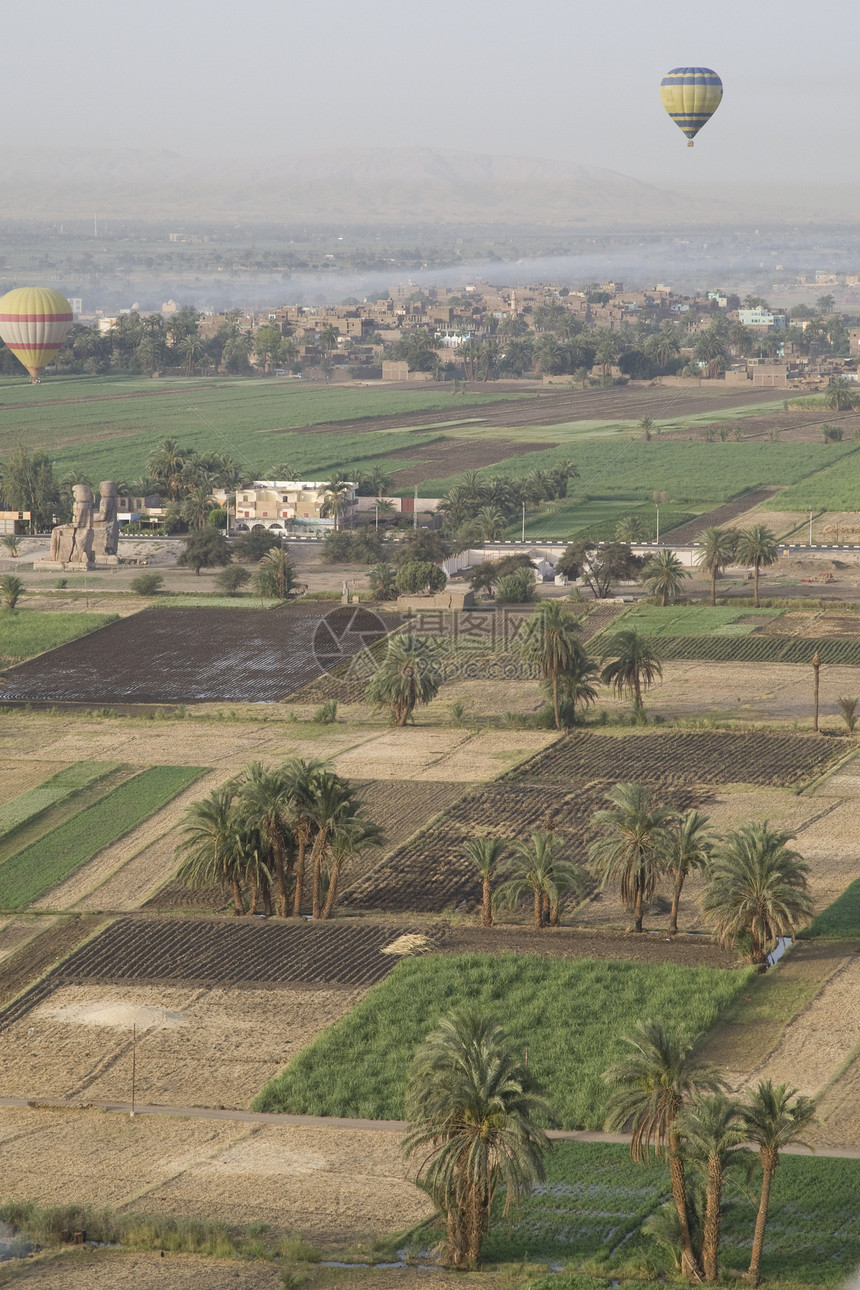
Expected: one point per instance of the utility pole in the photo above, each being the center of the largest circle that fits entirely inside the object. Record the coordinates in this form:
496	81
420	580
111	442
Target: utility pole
415	511
524	521
658	525
810	526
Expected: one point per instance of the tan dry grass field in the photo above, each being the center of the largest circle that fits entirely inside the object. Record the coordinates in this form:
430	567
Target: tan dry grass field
196	1046
336	1186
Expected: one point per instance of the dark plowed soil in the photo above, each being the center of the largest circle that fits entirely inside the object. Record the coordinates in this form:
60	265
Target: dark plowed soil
33	960
571	943
248	951
450	456
681	758
198	655
722	515
430	872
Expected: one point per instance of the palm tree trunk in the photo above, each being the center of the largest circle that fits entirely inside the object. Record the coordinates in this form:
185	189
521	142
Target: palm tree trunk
280	878
300	873
331	894
755	585
555	700
267	897
538	909
638	909
753	1275
255	894
637	690
238	900
676	900
689	1262
316	870
487	905
713	1205
713	586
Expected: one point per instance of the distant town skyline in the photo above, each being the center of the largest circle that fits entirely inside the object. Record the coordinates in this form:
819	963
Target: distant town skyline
549	79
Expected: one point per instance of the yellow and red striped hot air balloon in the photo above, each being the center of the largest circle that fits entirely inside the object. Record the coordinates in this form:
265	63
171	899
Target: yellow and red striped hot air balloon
33	323
691	96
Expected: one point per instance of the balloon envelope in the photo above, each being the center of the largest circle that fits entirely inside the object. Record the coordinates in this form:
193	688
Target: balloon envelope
691	96
33	323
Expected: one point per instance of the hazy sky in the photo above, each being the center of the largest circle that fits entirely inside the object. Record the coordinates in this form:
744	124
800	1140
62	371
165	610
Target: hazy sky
573	81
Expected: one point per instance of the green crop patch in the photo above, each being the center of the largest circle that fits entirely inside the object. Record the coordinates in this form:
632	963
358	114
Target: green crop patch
26	632
833	488
841	920
572	1015
595	1199
758	649
689	471
26	807
691	620
31	872
597	520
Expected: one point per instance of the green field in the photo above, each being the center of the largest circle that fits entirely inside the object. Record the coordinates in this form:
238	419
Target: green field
834	487
29	873
28	806
689	471
591	1209
25	632
572	1016
755	649
693	620
570	519
112	423
841	919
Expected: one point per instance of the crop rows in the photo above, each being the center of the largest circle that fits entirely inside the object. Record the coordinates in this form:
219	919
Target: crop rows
241	952
760	649
681	758
32	871
27	806
430	872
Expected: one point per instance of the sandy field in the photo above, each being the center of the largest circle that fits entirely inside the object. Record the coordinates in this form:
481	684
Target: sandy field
195	1046
332	1185
112	1270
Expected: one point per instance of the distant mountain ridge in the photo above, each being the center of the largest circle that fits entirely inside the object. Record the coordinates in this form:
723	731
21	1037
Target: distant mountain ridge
373	185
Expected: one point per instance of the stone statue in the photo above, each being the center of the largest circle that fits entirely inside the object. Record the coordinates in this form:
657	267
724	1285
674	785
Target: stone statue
73	543
105	524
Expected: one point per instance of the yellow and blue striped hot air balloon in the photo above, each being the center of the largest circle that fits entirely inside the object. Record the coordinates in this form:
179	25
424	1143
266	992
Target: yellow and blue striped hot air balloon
691	96
33	323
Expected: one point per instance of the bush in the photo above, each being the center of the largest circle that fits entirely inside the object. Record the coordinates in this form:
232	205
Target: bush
146	584
422	544
362	547
251	547
205	549
11	589
516	588
232	579
417	576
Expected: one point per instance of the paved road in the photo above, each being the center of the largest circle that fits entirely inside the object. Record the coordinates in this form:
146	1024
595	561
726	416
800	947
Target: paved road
333	1122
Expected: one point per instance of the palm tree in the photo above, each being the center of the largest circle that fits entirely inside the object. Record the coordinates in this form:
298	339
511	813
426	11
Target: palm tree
552	641
839	396
301	779
209	847
331	807
197	507
712	1130
274	577
631	851
648	1089
492	523
717	550
486	853
757	888
628	529
663	576
336	497
349	839
575	686
772	1121
535	867
687	846
635	667
472	1103
264	799
757	546
409	674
